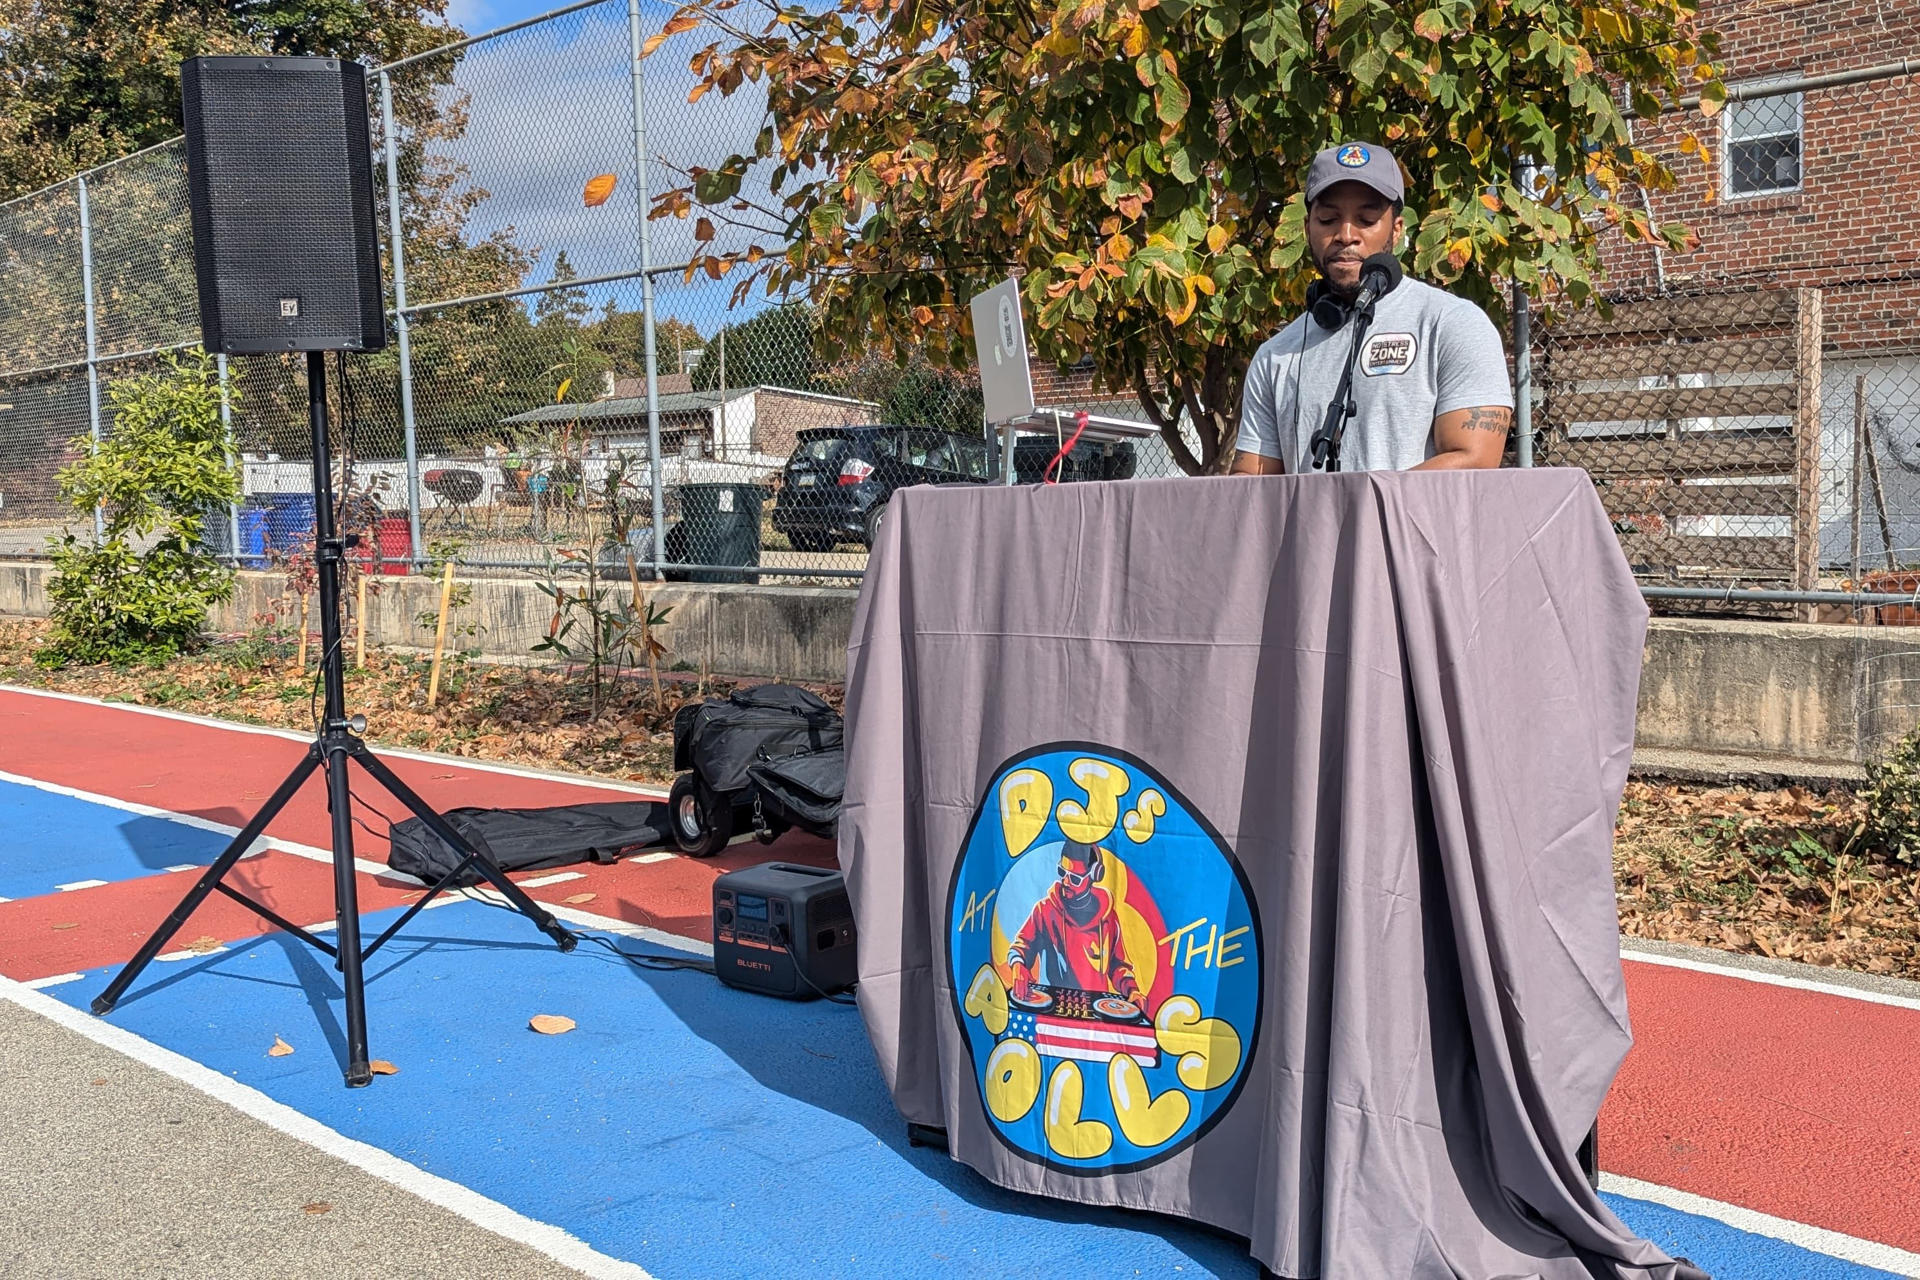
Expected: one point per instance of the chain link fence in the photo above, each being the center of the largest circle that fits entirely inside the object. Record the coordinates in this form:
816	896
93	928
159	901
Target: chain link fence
561	392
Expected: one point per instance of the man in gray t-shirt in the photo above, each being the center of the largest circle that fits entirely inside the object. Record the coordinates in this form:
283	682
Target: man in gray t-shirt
1430	386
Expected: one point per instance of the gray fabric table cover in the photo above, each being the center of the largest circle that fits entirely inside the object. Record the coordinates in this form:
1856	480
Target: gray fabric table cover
1339	757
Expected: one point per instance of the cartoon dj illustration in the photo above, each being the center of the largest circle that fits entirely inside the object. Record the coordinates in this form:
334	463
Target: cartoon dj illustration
1076	931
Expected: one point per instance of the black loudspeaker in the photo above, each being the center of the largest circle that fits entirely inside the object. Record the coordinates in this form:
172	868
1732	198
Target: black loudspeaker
280	182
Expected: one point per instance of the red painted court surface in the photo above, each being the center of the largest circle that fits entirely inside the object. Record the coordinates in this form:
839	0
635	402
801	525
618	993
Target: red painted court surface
1799	1104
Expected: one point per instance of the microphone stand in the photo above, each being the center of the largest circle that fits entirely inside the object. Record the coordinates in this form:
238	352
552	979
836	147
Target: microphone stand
1326	441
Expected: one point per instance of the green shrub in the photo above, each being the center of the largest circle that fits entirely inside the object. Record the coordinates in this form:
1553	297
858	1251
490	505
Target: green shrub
1891	827
141	588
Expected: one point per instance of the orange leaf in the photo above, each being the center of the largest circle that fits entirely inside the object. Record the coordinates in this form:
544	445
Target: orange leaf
547	1024
318	1206
923	315
73	925
703	229
1492	202
381	1067
682	21
598	188
579	898
280	1048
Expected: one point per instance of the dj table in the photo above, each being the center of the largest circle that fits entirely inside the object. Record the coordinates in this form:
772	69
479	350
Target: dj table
1240	849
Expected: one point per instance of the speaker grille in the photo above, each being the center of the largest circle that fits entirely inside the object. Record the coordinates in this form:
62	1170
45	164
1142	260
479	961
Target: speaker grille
279	168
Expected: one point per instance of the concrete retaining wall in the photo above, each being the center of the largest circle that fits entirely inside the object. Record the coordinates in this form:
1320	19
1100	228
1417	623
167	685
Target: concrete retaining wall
1821	695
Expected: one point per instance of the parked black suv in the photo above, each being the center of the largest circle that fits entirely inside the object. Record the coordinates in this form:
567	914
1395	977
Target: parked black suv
838	479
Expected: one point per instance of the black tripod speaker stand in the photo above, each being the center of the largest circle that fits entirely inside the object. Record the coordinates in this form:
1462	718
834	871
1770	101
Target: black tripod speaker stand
336	743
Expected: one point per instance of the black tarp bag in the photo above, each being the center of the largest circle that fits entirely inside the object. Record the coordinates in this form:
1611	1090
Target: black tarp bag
529	839
719	740
802	790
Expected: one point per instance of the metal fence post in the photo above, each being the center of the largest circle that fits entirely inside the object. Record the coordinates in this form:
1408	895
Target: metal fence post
226	429
1523	351
390	135
93	348
655	462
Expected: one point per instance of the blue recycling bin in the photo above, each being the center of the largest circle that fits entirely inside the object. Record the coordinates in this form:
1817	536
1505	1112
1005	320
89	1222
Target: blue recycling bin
289	522
253	538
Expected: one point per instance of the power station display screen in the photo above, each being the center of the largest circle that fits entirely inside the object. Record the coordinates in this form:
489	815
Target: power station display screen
750	908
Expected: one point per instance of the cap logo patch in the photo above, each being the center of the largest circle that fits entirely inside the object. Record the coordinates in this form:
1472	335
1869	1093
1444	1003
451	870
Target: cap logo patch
1352	156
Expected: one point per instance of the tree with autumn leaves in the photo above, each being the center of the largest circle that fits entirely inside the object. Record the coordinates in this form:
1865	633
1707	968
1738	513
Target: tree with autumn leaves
1138	163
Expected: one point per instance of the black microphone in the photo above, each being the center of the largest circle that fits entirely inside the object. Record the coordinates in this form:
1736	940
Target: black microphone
1380	275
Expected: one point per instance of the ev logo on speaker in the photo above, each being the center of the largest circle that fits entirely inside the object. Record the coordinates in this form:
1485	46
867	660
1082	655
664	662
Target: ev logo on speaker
289	308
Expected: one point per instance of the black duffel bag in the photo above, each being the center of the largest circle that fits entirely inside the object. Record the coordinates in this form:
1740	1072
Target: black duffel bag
720	739
529	839
801	790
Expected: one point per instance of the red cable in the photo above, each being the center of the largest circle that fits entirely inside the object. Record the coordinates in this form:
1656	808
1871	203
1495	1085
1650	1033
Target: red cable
1079	425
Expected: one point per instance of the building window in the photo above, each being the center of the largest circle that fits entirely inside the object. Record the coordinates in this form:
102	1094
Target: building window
1763	146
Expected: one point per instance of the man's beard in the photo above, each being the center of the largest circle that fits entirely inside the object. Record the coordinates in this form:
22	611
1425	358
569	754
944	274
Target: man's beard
1338	290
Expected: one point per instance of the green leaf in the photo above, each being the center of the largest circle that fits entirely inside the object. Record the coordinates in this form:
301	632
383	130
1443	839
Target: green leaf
1170	101
1713	98
716	186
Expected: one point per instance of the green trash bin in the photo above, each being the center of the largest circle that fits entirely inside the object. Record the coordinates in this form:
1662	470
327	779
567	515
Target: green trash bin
719	525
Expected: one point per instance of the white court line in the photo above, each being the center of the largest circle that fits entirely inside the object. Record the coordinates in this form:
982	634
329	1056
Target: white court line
424	757
79	884
1867	1253
543	1237
168	957
58	979
660	856
187	866
260	845
1772	979
559	877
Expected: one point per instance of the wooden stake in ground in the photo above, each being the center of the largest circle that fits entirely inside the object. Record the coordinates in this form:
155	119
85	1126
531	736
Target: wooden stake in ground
300	659
360	621
440	634
646	629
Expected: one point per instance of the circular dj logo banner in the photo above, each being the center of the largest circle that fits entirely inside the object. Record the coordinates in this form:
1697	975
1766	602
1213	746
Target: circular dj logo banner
1105	960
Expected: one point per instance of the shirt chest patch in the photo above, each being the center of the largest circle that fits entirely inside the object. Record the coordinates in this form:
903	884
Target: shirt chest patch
1387	353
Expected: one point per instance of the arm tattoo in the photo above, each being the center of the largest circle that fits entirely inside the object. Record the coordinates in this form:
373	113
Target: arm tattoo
1488	418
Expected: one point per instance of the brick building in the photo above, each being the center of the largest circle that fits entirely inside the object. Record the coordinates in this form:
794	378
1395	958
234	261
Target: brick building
1809	190
1816	188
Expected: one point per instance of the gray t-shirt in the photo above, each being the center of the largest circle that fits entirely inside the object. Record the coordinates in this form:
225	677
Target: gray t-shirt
1426	353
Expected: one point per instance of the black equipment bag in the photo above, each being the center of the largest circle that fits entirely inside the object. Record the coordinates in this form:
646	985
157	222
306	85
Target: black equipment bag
528	839
802	790
720	739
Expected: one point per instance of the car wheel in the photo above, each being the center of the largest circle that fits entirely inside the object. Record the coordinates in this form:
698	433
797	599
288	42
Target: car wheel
700	825
874	517
810	542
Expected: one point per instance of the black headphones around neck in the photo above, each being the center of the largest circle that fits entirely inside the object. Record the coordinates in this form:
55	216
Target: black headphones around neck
1327	308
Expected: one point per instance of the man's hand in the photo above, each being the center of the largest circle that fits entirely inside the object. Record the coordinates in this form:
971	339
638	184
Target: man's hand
1469	439
1022	981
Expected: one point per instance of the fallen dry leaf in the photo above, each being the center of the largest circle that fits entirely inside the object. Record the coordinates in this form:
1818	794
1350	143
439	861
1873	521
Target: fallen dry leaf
550	1024
381	1067
280	1048
205	944
318	1206
579	898
73	925
101	1080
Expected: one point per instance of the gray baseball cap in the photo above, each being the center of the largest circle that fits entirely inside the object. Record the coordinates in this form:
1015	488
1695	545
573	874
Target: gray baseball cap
1362	162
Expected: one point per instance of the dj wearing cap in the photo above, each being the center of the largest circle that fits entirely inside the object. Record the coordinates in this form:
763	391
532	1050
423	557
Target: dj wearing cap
1429	383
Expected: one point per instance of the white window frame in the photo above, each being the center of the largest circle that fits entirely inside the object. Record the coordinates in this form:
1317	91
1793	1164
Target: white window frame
1727	141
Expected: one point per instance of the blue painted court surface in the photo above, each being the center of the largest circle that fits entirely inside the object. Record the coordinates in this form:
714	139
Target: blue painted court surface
53	840
689	1128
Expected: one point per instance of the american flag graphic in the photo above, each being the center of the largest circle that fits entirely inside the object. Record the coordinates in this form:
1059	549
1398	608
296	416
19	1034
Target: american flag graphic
1087	1039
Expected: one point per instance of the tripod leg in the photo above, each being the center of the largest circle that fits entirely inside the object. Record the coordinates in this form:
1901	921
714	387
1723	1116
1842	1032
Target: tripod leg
440	827
104	1002
347	905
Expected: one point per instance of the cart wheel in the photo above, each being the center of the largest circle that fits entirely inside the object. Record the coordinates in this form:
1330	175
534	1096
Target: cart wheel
701	828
